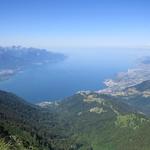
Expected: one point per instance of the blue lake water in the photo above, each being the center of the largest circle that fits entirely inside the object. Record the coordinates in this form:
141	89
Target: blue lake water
84	69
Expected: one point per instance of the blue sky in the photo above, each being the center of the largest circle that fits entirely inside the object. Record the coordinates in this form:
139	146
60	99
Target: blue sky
75	23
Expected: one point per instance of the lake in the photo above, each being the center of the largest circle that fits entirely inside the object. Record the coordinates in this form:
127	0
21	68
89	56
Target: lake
84	69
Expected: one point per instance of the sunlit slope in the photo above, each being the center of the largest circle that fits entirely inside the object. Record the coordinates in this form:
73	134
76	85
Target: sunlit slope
84	121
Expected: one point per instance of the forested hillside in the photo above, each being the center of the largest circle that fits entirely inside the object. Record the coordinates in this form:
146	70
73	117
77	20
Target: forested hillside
84	121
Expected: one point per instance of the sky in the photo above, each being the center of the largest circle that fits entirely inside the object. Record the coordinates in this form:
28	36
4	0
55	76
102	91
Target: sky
75	23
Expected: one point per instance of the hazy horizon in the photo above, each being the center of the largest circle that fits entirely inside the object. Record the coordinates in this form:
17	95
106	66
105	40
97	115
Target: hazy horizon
75	24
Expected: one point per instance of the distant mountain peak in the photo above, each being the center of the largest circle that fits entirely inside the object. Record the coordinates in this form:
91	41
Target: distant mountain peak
17	58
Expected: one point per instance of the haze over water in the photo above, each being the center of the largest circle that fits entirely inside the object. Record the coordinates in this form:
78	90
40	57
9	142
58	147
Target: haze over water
84	69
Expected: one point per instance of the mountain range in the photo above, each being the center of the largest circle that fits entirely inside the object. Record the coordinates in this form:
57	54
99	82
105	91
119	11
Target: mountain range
16	58
85	121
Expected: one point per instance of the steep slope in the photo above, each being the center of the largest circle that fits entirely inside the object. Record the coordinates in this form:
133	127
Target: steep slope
18	122
26	125
144	86
137	96
100	122
84	121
